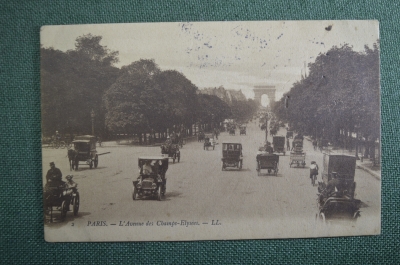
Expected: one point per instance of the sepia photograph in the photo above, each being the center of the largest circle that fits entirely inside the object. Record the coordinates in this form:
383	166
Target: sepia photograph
228	130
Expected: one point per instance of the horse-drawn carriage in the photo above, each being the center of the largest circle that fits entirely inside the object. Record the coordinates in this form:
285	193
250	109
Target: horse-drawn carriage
58	197
337	190
232	130
152	180
209	142
279	144
171	151
177	138
232	155
269	162
200	136
84	150
242	130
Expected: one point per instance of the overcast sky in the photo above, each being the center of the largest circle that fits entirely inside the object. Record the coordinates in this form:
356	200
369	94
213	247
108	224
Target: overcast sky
236	55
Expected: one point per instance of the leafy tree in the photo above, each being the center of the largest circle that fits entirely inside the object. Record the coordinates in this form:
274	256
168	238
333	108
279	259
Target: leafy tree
73	84
179	98
134	103
212	109
341	93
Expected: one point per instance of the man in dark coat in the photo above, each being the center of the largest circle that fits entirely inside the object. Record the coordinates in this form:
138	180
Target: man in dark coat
54	175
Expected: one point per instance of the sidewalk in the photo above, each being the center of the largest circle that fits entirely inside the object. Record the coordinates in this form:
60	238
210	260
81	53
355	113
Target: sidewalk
115	144
365	165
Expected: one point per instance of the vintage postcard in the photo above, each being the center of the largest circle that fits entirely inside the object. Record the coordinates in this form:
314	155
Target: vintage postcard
210	130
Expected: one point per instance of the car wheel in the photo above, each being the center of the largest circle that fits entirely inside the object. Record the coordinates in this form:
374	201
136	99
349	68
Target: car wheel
76	204
96	161
64	209
134	193
159	194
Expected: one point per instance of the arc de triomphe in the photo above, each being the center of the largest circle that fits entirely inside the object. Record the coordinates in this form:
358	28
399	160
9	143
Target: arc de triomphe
264	90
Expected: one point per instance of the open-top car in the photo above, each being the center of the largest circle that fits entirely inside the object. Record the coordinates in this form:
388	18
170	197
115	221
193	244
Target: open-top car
152	179
232	155
84	150
336	192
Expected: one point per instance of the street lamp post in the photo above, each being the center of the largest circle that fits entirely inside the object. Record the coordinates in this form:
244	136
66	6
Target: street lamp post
266	127
92	114
357	127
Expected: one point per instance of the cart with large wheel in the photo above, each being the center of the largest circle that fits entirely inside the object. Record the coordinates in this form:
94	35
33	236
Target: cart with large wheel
267	162
152	179
232	155
57	198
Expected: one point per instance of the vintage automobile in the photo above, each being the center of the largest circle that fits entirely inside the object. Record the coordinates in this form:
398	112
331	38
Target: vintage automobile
297	159
337	190
267	161
289	134
57	197
232	155
84	150
340	166
297	156
171	151
297	145
279	144
152	180
242	130
338	208
209	142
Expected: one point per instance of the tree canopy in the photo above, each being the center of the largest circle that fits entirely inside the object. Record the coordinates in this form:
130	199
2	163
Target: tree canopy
138	98
341	92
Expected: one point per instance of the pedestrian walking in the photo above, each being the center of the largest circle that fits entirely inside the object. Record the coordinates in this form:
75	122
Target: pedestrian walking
287	144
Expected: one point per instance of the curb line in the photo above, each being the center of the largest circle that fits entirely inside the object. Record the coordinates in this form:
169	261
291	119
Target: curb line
375	175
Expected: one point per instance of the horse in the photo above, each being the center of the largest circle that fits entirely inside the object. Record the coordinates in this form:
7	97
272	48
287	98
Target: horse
71	158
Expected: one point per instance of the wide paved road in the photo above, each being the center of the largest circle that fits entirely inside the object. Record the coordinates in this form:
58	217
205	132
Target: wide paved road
246	205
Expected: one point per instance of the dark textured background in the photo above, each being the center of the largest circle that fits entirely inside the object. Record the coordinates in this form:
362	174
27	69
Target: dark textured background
21	221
